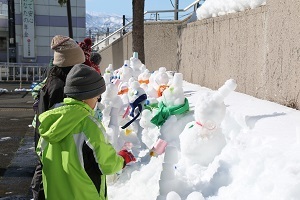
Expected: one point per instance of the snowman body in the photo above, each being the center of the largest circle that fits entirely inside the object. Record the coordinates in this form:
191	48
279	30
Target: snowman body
202	140
150	132
135	64
111	113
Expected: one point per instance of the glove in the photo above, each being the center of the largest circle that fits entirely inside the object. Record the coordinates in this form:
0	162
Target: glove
128	156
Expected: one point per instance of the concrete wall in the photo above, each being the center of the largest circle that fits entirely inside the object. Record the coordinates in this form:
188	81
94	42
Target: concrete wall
259	48
160	47
117	52
282	69
232	46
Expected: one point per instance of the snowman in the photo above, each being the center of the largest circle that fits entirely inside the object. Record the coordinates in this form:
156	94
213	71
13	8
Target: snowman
173	102
129	138
144	77
125	72
202	139
143	68
161	81
158	82
135	64
174	94
109	70
136	98
150	132
123	92
111	117
107	78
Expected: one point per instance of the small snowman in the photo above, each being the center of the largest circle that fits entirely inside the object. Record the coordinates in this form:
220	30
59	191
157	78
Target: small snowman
109	70
174	94
125	72
112	106
150	132
107	78
161	81
202	140
143	79
143	68
173	102
130	137
123	91
136	97
135	64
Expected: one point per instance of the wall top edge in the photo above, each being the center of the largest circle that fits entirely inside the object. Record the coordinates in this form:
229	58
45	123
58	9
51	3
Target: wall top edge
248	12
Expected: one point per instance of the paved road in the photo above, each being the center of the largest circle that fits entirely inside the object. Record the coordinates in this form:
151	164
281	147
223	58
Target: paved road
17	155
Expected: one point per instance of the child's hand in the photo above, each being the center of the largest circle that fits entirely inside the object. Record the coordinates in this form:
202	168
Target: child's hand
128	156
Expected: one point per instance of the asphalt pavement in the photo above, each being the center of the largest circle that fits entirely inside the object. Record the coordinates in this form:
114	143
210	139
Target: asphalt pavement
17	156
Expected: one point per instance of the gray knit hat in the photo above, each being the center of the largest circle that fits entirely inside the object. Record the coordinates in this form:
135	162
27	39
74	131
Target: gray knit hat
66	51
83	82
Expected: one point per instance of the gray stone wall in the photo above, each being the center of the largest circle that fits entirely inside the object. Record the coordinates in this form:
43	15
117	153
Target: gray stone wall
259	48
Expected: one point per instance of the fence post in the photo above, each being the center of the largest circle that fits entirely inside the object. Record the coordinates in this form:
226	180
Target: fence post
14	73
21	71
27	73
33	74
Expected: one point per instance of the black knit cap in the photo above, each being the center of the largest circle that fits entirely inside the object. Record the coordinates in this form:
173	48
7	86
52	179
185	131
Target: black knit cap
83	82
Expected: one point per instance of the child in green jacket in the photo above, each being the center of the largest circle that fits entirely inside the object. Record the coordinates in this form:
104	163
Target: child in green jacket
73	149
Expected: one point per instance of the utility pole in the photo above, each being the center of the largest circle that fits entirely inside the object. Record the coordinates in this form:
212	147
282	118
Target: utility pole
176	10
69	18
11	31
124	32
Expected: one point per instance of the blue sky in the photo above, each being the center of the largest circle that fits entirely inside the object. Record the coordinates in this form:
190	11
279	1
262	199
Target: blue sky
124	7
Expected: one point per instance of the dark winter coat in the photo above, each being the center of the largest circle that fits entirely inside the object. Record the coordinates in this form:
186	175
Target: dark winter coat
52	92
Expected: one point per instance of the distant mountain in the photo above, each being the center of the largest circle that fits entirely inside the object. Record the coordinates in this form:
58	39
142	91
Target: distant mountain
99	22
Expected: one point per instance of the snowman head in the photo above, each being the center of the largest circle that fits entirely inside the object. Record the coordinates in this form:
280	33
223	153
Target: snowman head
111	91
135	91
162	77
145	120
135	63
210	108
109	69
209	113
174	94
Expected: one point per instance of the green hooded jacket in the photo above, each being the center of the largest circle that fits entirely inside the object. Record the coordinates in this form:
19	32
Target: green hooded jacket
75	153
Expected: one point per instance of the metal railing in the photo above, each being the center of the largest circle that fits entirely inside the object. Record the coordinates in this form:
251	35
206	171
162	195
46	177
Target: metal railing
22	72
156	12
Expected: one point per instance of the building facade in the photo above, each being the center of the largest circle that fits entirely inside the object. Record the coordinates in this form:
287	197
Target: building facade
36	22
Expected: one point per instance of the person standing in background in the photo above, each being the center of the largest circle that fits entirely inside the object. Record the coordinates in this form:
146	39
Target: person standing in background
95	61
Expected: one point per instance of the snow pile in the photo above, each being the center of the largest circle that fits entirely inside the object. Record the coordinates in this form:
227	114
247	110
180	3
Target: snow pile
193	143
215	8
3	90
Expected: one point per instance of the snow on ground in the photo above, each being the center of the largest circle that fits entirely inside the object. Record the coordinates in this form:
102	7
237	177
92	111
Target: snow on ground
260	160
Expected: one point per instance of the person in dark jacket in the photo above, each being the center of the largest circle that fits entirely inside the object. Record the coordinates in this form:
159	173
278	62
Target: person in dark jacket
67	53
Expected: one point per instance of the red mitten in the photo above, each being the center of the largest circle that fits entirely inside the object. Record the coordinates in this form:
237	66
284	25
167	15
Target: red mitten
128	156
